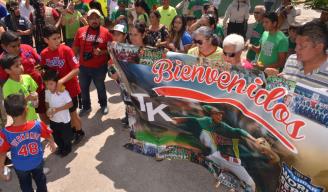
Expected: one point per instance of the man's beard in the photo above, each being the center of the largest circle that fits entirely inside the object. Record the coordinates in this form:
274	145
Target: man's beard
95	26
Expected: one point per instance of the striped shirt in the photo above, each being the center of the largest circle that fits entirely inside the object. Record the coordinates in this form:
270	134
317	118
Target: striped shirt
294	71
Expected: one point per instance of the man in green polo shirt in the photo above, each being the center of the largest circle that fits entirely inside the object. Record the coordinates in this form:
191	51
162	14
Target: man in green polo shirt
167	13
257	31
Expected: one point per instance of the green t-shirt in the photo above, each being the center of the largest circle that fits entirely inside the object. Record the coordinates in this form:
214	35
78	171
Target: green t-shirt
82	8
72	23
26	86
225	137
167	15
219	31
255	40
144	18
271	46
196	7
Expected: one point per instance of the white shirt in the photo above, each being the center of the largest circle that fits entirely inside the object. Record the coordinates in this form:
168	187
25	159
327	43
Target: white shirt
25	12
58	100
236	16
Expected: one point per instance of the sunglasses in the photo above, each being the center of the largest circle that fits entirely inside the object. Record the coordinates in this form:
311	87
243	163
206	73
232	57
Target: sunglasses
257	13
200	42
229	54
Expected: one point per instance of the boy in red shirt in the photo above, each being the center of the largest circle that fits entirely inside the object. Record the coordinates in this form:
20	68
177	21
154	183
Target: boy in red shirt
61	58
23	139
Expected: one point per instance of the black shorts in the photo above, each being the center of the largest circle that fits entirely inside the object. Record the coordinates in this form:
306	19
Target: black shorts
76	102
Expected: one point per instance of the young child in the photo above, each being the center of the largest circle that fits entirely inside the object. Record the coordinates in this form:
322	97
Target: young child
58	104
23	139
61	58
18	83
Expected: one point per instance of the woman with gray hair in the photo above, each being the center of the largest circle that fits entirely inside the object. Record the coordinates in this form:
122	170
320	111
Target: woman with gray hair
206	44
233	46
238	14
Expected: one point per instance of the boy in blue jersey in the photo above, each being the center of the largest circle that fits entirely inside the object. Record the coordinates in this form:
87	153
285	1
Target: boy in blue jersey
23	139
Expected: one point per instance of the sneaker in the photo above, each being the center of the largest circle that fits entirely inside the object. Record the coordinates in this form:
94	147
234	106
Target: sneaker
46	170
84	112
78	136
104	110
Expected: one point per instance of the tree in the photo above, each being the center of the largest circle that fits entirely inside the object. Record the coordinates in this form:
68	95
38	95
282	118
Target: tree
316	4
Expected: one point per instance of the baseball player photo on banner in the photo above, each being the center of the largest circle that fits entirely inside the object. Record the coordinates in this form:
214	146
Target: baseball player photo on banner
251	132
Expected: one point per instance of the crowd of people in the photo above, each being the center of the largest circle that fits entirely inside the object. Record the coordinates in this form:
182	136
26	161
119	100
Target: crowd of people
45	77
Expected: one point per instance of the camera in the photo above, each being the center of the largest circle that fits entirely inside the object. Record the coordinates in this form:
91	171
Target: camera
87	56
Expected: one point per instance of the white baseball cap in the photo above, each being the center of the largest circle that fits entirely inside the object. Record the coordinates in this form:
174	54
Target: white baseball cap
91	11
120	28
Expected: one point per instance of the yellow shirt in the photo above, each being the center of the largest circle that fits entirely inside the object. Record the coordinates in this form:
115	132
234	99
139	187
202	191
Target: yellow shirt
216	55
167	15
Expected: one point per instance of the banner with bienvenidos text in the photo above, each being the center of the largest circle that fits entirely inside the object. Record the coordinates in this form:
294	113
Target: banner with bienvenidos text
251	132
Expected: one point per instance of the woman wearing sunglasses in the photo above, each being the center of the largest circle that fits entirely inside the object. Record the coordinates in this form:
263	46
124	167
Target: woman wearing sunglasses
233	46
206	44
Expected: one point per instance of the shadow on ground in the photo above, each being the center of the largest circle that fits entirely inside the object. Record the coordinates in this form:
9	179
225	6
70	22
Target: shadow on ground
134	172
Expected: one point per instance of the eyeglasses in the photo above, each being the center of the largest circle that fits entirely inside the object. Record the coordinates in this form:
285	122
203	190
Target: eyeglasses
200	42
229	54
257	13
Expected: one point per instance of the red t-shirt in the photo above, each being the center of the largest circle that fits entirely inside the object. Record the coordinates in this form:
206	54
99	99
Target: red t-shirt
5	146
29	59
86	45
64	61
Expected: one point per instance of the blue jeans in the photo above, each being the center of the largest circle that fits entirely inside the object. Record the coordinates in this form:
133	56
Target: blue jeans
97	75
25	179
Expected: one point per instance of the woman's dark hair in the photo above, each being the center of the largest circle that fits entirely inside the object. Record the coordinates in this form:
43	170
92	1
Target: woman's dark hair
177	35
216	12
142	4
211	19
96	5
51	75
9	37
142	28
156	13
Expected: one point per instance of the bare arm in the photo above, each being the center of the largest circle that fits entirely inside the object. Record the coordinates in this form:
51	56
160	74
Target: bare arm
57	25
76	50
64	107
83	21
281	60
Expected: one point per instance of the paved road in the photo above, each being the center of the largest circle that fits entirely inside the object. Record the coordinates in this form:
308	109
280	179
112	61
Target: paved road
101	164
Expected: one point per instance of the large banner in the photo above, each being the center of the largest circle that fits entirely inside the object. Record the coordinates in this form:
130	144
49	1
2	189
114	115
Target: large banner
251	132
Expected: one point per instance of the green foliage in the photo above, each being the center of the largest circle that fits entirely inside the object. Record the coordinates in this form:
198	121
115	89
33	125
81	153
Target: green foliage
314	4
